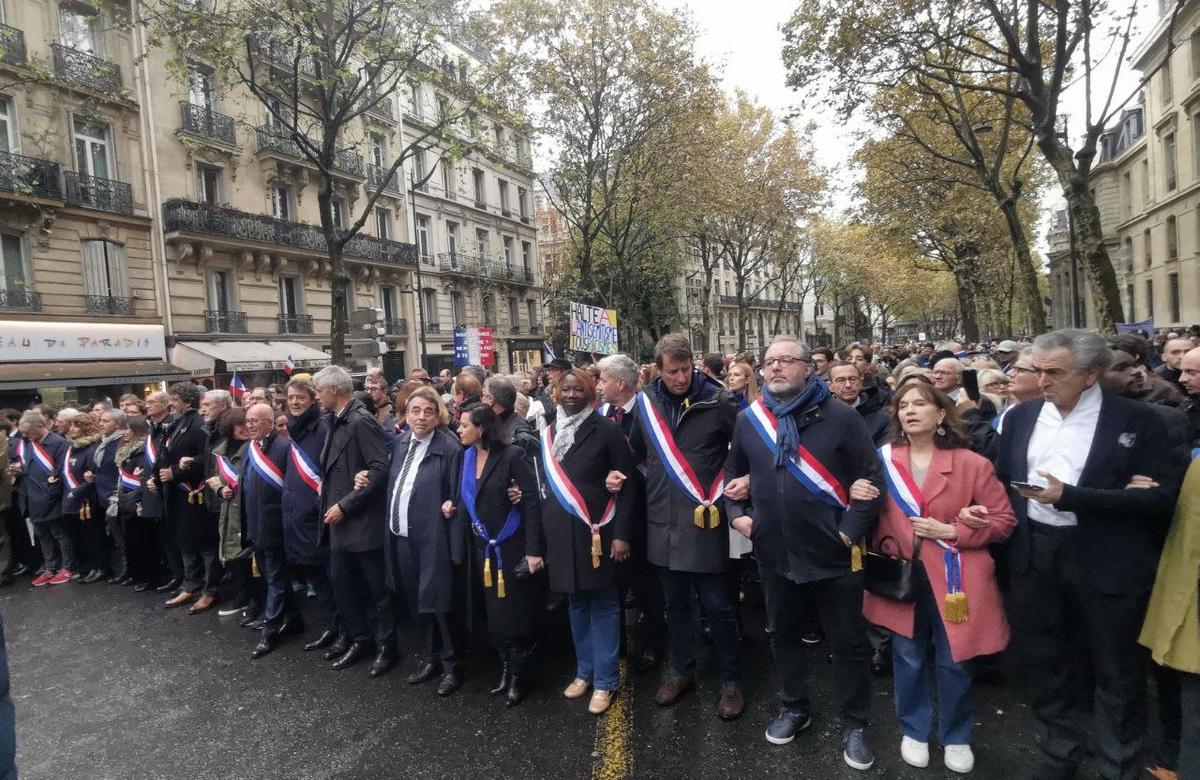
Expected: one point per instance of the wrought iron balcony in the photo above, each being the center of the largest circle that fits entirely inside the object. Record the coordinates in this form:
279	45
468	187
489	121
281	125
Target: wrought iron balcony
433	327
349	161
189	216
12	45
30	176
377	178
295	323
522	275
216	321
272	140
109	304
94	192
86	70
458	263
206	123
382	108
283	56
21	300
395	326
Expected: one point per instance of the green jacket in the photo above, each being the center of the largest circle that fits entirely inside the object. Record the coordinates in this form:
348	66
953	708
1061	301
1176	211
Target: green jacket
230	517
1172	627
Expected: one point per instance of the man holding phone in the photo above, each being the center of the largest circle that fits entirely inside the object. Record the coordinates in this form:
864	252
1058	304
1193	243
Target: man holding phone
977	412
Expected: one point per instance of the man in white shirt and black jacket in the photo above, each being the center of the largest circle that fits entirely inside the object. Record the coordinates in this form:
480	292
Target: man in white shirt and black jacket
1084	554
802	535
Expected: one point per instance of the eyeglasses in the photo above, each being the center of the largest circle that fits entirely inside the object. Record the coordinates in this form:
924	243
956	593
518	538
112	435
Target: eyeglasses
787	361
1024	370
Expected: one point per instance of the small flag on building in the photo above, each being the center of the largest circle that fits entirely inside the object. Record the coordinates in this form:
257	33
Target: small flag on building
236	388
289	366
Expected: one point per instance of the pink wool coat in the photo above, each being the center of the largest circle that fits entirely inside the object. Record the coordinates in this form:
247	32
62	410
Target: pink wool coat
955	479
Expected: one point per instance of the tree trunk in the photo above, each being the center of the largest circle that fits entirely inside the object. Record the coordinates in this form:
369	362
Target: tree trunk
1027	271
967	258
339	283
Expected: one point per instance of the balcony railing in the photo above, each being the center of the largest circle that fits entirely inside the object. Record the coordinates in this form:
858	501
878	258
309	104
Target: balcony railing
395	326
204	122
295	323
109	304
377	178
433	327
224	321
12	45
282	56
86	70
383	108
349	161
194	217
458	263
23	300
94	192
29	176
271	140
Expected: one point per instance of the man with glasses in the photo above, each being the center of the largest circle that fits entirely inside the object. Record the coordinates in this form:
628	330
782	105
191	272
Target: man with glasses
1022	383
846	382
377	390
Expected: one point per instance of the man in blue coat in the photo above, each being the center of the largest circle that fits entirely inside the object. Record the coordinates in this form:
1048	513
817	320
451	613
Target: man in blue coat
41	455
261	488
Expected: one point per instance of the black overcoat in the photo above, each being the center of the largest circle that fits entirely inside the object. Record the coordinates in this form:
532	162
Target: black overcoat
356	443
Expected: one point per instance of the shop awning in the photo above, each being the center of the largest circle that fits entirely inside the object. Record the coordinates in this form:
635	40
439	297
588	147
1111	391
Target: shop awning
201	358
21	376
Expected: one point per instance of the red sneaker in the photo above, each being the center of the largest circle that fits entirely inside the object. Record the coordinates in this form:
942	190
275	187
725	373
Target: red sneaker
63	576
42	579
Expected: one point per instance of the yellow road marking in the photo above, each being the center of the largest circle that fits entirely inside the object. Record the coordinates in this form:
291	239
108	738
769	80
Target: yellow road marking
614	732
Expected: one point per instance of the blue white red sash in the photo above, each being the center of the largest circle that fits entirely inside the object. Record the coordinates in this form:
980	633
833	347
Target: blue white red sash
679	471
151	452
21	451
305	468
570	498
129	480
265	467
227	472
803	465
903	490
72	483
42	457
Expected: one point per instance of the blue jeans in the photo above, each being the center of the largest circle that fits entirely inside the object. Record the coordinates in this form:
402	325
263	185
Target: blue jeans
596	630
917	662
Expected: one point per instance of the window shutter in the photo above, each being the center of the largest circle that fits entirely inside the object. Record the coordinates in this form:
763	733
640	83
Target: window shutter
95	269
118	285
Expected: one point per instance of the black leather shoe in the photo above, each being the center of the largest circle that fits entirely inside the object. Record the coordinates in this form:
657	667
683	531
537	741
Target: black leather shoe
647	661
126	581
94	576
265	645
357	652
424	674
324	640
141	587
248	618
292	625
449	683
502	685
384	662
256	624
338	648
20	570
168	586
516	691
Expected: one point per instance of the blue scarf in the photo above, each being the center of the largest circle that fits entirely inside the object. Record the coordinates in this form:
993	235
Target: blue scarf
788	438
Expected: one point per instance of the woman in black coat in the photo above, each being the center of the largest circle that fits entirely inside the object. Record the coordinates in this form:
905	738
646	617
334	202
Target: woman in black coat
494	479
578	450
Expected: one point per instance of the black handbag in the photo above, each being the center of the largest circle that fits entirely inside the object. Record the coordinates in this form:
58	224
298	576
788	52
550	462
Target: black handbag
893	577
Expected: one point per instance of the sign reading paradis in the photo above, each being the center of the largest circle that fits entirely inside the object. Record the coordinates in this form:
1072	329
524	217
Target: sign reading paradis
593	329
54	341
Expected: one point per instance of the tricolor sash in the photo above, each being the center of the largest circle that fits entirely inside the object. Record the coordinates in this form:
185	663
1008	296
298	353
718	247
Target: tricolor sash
21	451
151	453
305	468
803	465
42	457
227	472
129	480
72	482
265	467
468	491
903	491
569	497
679	471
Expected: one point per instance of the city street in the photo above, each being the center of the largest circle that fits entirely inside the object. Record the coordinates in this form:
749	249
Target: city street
109	685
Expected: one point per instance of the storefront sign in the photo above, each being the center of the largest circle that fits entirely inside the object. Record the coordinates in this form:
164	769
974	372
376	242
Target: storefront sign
22	341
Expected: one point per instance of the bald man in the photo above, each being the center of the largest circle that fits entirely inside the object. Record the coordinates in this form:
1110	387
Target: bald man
1189	379
1172	355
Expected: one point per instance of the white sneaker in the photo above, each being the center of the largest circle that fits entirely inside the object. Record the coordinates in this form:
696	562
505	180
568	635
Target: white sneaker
959	758
914	753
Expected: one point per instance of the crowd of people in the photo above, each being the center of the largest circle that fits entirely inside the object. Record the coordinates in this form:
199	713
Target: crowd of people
906	505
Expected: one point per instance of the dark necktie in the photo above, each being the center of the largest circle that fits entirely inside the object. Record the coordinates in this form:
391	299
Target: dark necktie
619	415
399	489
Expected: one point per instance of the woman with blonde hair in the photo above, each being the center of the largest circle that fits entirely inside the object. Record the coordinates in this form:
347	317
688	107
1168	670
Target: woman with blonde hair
740	381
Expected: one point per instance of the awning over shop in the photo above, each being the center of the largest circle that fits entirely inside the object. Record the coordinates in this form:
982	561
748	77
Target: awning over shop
21	376
201	358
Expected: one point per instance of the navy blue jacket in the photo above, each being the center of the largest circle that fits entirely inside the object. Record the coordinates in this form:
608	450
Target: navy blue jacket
301	504
41	498
262	500
105	472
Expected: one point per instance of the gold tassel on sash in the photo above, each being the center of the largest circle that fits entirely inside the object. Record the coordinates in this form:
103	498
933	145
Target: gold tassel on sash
85	512
714	516
487	571
499	583
710	511
595	549
856	556
698	515
254	567
957	610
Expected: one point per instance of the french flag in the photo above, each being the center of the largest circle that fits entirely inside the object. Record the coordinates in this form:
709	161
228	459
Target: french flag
289	366
236	388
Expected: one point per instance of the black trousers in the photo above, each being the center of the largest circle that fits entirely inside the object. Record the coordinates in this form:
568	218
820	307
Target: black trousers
168	537
93	537
363	601
22	549
1084	655
839	605
57	539
202	568
249	591
441	633
678	587
317	575
141	547
120	545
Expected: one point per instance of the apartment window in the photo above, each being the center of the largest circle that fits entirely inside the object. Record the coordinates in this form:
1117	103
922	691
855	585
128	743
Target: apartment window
523	203
92	155
1172	239
281	202
337	211
443	109
289	295
200	87
489	310
423	235
78	27
1149	298
527	255
378	150
1168	87
1127	194
1145	182
499	137
503	197
104	269
383	222
1147	250
452	238
531	312
210	184
483	243
458	306
220	290
414	97
14	273
1169	160
1173	288
477	180
430	304
448	178
419	169
387	302
508	251
514	314
1129	255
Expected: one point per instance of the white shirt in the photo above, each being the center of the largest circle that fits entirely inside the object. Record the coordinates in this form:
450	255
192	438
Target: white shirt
398	512
1060	446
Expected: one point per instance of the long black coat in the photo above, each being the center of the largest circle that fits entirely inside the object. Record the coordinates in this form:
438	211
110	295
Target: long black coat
356	443
128	499
195	524
79	459
152	501
262	520
513	615
561	537
702	433
301	505
42	492
429	533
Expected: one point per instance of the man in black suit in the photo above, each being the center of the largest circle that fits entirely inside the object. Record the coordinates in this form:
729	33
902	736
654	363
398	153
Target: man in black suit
1084	554
39	460
354	522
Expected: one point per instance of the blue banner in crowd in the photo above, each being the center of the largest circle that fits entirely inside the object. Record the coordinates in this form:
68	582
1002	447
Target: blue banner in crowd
1146	326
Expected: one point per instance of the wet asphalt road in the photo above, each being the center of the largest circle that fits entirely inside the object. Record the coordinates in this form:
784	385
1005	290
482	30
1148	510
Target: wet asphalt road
107	684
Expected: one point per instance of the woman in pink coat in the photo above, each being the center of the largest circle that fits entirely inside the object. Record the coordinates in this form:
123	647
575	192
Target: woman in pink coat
932	478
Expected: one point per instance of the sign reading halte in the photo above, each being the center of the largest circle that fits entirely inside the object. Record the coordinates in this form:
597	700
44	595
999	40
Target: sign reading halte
593	329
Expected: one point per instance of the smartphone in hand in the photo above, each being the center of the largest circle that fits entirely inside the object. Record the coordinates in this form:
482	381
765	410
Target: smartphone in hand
1028	486
970	381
